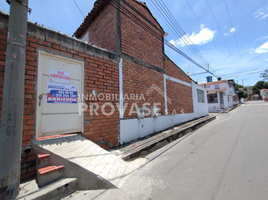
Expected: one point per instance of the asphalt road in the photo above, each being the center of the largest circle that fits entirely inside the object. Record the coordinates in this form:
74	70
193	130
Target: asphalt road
226	159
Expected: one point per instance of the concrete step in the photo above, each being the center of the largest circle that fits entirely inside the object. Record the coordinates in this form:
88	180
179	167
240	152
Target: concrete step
95	167
48	174
42	160
57	190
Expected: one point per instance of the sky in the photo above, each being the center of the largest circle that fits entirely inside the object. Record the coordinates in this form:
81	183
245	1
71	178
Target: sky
235	47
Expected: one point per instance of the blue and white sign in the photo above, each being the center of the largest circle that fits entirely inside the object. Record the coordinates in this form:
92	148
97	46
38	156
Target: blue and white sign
58	93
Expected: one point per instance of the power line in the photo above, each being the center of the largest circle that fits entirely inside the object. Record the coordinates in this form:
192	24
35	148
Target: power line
212	40
234	32
168	24
220	32
176	31
187	41
198	73
136	20
79	9
89	27
245	73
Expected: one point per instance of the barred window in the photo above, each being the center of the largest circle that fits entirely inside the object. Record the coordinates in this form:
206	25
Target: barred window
213	98
201	96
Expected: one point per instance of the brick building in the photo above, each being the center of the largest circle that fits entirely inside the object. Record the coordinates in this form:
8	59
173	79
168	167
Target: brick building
120	62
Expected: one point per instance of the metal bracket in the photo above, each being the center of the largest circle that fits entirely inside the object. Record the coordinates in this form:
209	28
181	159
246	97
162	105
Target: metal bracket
28	9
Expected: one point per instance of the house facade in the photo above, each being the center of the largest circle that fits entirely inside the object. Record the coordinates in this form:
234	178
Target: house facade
112	84
264	94
221	95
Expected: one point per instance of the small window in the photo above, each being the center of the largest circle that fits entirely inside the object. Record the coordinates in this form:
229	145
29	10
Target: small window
213	98
201	96
207	86
217	86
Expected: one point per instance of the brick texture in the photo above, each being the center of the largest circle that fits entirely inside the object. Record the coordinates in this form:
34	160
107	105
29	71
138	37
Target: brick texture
175	72
180	95
137	42
137	80
181	98
102	30
100	73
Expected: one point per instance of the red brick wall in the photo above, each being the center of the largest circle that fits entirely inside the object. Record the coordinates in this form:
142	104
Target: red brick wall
138	42
181	98
102	30
137	80
100	73
181	95
103	75
175	72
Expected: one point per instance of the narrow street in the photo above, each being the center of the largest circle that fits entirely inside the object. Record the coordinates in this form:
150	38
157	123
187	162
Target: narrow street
225	159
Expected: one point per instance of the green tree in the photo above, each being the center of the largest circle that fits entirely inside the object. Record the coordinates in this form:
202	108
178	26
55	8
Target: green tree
237	86
258	86
266	85
264	75
242	94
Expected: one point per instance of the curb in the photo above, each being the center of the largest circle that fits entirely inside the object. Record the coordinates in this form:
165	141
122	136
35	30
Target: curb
148	145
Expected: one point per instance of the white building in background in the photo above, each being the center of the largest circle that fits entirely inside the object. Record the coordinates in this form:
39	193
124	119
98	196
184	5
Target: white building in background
221	95
264	94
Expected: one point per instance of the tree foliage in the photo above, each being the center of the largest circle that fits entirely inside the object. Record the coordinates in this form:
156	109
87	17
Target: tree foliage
264	75
237	87
258	86
242	94
241	91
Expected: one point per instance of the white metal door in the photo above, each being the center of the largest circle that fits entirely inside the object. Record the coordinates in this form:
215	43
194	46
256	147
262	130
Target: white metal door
221	100
58	115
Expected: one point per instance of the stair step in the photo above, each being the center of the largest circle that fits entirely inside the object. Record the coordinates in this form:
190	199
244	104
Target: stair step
42	160
48	169
42	156
47	175
56	190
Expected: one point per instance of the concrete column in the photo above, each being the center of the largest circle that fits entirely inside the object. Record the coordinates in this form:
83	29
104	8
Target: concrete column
13	101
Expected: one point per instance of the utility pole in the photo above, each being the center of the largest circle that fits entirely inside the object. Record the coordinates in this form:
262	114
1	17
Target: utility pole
13	101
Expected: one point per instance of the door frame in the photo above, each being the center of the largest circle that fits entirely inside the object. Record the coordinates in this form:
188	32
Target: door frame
221	100
39	86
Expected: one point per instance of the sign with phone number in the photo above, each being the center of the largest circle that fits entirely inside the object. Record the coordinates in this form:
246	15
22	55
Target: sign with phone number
57	93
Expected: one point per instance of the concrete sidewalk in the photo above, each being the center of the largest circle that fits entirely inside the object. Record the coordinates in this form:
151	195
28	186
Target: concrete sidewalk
151	143
226	159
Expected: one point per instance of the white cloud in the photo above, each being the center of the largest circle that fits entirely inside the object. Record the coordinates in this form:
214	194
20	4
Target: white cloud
262	38
173	42
204	36
232	30
263	48
261	13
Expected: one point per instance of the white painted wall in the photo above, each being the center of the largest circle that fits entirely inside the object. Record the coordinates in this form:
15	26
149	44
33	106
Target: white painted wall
200	109
215	107
132	129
